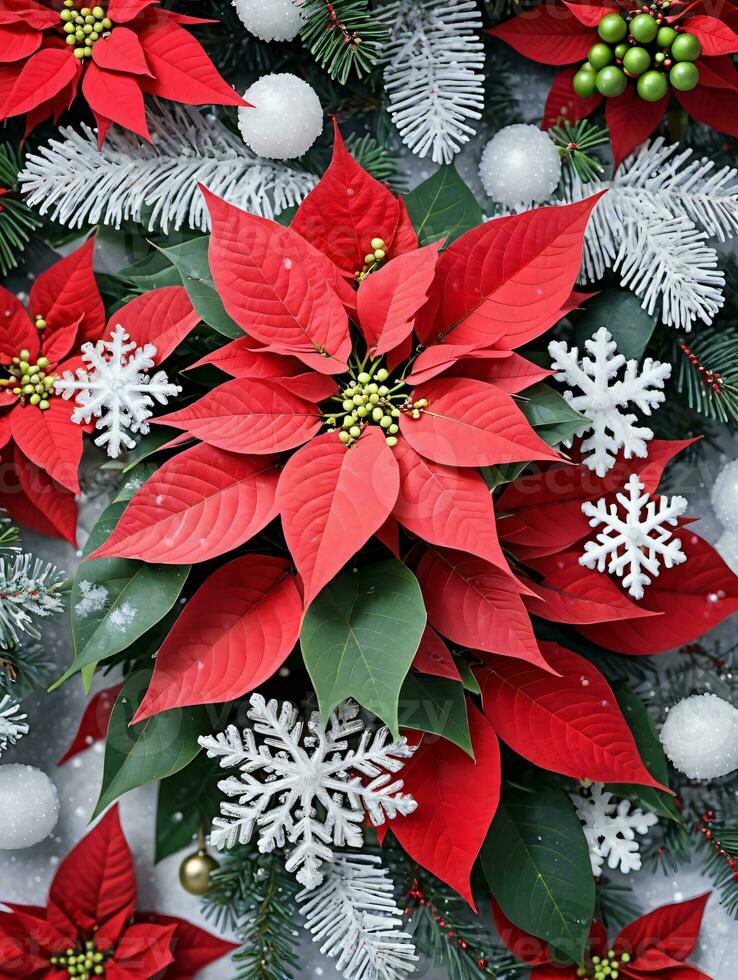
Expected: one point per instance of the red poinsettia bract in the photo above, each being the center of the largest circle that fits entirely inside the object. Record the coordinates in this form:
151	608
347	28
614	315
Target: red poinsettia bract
562	33
90	923
652	947
374	434
116	51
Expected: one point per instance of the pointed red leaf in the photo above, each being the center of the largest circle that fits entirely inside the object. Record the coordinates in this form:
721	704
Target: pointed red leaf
121	11
50	439
59	345
434	657
569	724
96	881
590	14
631	120
476	605
547	34
714	107
718	72
563	104
273	288
180	513
346	209
389	535
232	635
506	281
117	97
512	374
446	506
142	952
193	948
443	358
332	500
715	37
241	360
31	498
17	42
162	317
470	423
93	725
671	929
310	386
389	299
694	597
457	798
66	292
17	331
248	416
42	77
121	51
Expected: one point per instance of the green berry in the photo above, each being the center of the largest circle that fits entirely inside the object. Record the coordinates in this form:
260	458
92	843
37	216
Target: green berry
588	67
369	258
377	243
379	254
24	354
383	390
659	57
644	28
611	81
600	55
364	378
391	441
621	50
377	414
612	28
393	429
382	374
684	76
344	436
348	405
71	39
362	411
373	398
652	86
636	61
98	12
686	47
665	37
107	23
385	421
584	83
355	431
69	28
625	957
79	53
43	404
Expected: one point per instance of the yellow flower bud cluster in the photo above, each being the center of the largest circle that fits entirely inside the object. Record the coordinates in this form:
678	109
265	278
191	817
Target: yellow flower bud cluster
30	381
367	400
83	27
82	964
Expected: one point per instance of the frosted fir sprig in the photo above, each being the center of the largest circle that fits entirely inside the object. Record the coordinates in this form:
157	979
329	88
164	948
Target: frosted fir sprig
29	591
13	726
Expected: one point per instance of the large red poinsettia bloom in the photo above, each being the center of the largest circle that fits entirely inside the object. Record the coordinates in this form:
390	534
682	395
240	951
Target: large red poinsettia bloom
90	926
652	947
116	51
562	33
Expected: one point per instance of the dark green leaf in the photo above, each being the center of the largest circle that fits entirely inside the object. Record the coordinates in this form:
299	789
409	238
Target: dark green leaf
536	862
621	312
496	476
191	261
285	217
187	800
149	444
436	705
442	207
153	749
550	414
360	635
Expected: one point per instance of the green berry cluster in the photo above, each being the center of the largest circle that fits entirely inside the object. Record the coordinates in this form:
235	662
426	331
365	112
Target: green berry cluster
372	259
82	964
30	381
83	27
640	46
605	967
367	400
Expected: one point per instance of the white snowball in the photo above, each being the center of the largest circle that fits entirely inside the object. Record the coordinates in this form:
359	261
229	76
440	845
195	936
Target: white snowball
271	20
700	736
29	806
727	547
725	495
520	166
286	120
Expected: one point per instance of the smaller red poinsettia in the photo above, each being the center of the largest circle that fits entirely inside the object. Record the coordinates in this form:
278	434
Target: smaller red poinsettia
117	50
561	33
90	926
652	947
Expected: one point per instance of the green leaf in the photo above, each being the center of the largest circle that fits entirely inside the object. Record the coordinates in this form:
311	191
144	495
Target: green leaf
187	800
436	705
442	207
360	635
621	312
536	862
149	444
154	749
496	476
467	676
650	750
285	217
550	414
191	262
116	600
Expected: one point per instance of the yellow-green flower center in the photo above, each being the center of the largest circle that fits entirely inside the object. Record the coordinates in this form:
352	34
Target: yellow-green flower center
84	963
372	259
29	381
605	967
83	26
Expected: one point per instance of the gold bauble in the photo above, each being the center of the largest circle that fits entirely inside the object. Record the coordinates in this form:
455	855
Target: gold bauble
195	871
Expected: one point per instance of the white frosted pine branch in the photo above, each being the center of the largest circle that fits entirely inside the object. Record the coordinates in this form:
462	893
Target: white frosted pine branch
28	592
156	184
433	73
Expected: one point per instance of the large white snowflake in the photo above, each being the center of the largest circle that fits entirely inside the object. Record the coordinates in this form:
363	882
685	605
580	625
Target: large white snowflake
12	725
610	829
603	396
634	542
313	791
115	388
353	914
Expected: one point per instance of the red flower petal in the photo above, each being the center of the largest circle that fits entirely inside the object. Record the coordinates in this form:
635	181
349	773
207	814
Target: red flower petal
121	11
434	657
18	42
93	725
193	948
332	500
714	107
162	317
563	104
232	635
116	97
142	952
17	331
50	440
32	498
179	514
441	358
120	51
631	120
570	724
715	37
718	72
671	929
44	75
511	374
67	292
241	360
590	14
547	34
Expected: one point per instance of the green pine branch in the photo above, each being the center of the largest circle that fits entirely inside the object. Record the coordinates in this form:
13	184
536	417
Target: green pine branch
707	371
17	221
344	36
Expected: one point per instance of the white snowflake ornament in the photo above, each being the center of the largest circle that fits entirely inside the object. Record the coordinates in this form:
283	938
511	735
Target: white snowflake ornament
520	166
603	398
13	726
700	736
310	792
610	829
116	388
634	545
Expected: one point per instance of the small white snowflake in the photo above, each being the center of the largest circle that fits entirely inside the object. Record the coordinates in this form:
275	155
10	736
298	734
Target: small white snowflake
310	792
116	389
603	397
633	542
610	829
12	725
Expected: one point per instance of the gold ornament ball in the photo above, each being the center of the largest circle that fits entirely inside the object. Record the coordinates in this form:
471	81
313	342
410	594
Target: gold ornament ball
195	871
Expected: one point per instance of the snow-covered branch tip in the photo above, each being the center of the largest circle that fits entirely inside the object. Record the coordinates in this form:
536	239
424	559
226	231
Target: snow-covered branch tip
156	184
28	592
433	73
13	725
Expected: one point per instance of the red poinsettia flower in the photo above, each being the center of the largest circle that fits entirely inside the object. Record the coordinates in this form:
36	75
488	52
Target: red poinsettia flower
116	51
90	926
560	33
652	947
